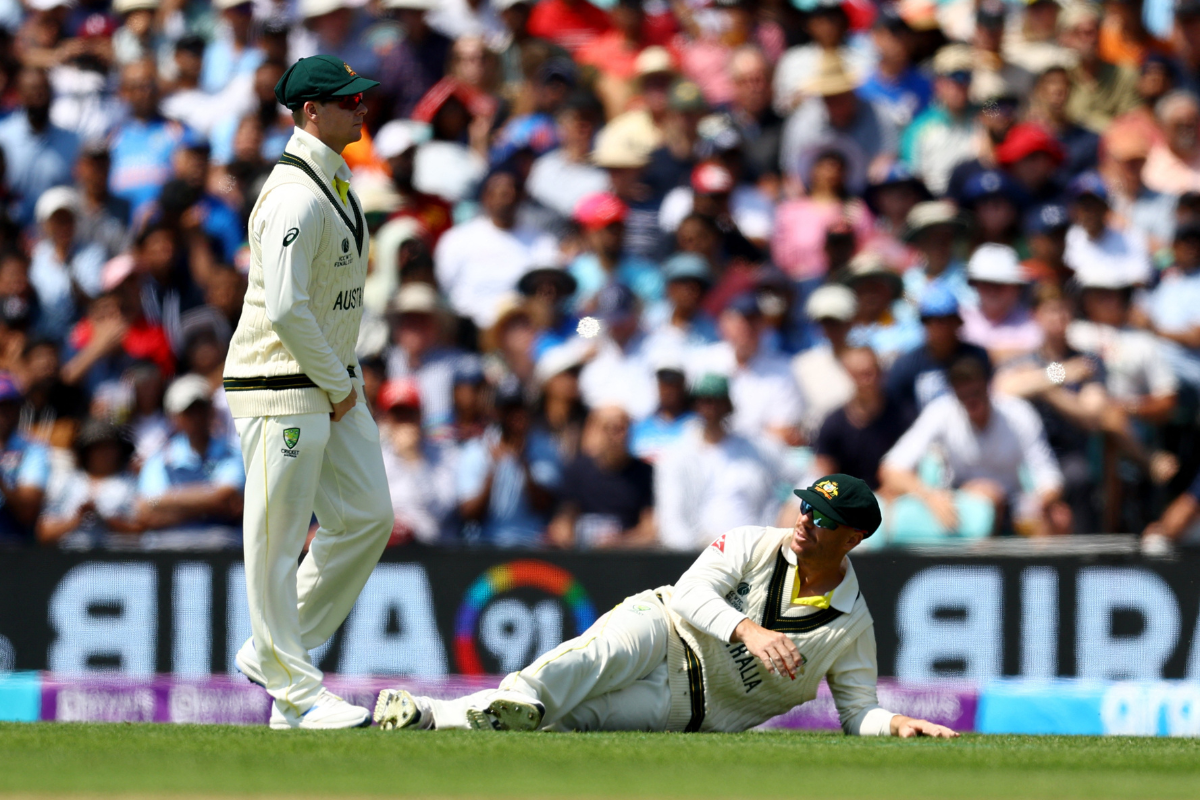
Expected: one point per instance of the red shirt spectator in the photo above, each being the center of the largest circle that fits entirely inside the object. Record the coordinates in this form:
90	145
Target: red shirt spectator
570	24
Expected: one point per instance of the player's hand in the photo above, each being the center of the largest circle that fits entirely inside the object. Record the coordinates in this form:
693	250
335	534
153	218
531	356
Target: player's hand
775	650
907	728
342	407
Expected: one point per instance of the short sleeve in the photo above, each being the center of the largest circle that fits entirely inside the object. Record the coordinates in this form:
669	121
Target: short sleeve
34	471
153	480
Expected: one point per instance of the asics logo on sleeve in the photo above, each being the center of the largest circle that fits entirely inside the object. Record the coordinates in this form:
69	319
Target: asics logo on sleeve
290	236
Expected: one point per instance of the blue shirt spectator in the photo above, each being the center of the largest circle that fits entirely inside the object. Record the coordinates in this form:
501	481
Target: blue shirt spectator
230	54
61	266
37	153
506	479
24	469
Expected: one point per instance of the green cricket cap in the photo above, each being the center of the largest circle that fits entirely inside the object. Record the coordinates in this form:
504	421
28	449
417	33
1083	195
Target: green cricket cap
846	500
319	78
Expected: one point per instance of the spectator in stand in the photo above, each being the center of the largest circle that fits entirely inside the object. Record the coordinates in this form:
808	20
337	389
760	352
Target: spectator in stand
985	441
560	412
650	437
1032	157
190	494
478	261
1102	90
835	113
621	372
103	218
798	244
547	293
854	438
1136	207
679	328
507	479
1172	310
93	504
820	376
828	27
563	177
896	87
420	352
397	143
570	24
233	53
1033	45
710	479
56	410
991	18
116	332
884	322
1140	377
934	228
1159	75
614	54
1046	236
919	377
1173	165
605	261
414	63
994	201
24	470
945	134
1095	249
143	145
608	495
1001	323
750	110
420	475
1048	110
767	405
63	266
38	154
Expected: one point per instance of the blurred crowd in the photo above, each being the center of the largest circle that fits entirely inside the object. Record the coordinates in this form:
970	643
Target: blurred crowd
638	267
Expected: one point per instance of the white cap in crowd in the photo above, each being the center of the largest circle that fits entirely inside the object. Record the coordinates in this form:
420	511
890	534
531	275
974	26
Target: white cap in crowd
832	301
59	198
996	263
185	392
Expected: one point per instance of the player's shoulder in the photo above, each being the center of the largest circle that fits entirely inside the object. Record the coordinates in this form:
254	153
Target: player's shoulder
746	539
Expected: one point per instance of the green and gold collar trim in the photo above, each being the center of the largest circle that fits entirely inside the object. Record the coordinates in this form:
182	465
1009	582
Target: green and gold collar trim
774	620
357	225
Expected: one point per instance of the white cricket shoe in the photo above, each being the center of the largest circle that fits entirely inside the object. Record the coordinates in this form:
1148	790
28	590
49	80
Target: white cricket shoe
508	711
246	662
397	708
329	712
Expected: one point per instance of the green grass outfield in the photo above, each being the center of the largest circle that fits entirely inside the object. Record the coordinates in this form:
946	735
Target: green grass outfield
45	759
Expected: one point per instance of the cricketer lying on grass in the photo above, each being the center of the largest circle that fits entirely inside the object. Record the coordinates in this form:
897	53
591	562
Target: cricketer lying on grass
293	385
746	634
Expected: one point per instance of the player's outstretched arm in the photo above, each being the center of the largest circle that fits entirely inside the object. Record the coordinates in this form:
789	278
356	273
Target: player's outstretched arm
907	727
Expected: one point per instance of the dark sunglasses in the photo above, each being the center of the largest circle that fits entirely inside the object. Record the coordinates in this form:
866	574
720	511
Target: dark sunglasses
348	102
819	519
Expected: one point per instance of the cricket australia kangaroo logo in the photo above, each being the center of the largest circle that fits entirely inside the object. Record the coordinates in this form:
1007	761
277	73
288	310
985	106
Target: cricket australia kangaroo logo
291	436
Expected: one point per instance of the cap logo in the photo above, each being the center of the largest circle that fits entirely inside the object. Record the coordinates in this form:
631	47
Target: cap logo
348	69
828	488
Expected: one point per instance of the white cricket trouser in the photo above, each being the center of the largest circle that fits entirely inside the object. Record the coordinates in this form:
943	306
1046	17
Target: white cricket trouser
612	677
336	470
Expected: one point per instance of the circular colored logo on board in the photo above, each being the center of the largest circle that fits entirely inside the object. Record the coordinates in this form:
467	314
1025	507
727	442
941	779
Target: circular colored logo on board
514	612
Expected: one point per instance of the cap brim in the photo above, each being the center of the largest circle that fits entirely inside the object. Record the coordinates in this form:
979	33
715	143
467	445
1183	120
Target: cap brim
359	84
820	503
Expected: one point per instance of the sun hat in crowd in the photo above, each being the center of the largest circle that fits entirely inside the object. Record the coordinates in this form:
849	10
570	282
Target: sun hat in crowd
58	198
597	211
416	298
185	392
996	263
564	280
1026	138
831	77
954	58
556	360
399	136
930	214
419	5
938	301
687	266
652	60
832	301
122	7
710	177
870	264
400	392
99	431
685	96
1047	218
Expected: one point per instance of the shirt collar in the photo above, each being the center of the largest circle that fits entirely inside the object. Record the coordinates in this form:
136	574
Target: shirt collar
330	163
845	594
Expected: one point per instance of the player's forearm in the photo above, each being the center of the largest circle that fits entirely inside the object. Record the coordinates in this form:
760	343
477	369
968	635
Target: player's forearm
701	605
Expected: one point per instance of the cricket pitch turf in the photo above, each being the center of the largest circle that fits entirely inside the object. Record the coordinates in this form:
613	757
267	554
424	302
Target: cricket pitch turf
42	760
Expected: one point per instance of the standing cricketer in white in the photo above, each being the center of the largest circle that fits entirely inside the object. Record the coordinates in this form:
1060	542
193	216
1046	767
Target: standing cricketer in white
746	634
294	388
